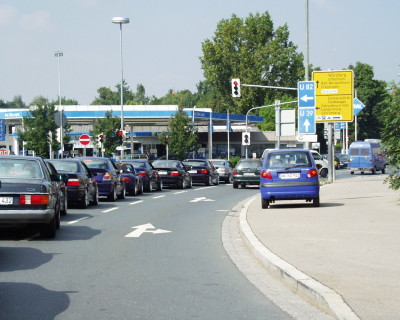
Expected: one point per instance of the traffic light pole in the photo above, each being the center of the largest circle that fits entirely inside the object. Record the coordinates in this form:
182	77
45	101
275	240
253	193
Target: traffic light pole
270	105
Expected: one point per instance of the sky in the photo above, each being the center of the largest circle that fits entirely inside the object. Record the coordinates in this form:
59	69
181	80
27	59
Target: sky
163	41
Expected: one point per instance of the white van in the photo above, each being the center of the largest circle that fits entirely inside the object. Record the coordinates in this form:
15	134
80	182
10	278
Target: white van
321	163
265	153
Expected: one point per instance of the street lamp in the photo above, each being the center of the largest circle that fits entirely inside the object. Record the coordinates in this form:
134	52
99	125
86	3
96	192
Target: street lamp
59	54
121	21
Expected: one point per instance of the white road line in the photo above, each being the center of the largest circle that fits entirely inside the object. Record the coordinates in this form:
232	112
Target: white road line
202	188
111	209
179	192
158	197
77	220
223	210
136	202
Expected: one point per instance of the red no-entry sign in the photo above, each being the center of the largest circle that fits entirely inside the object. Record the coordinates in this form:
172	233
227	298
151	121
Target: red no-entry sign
84	139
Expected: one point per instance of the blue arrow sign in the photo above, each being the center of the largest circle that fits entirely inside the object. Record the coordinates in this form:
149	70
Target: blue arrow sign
357	106
340	125
306	120
306	94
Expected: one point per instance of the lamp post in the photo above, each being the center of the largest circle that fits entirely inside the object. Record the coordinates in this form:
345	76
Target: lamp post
59	54
120	21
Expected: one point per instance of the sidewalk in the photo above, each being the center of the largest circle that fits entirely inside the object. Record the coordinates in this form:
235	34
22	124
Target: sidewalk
343	256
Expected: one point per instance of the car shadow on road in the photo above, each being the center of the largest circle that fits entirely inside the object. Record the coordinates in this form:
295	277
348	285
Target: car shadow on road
34	301
304	205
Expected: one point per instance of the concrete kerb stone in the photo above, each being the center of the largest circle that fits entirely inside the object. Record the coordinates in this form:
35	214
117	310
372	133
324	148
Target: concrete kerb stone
317	294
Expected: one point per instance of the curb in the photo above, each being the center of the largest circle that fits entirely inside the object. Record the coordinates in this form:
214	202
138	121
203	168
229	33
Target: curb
319	295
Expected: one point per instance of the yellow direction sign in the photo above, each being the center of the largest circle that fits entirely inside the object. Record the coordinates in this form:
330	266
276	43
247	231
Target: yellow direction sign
334	95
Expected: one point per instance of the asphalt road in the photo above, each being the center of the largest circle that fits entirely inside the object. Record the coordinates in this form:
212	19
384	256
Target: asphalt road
155	256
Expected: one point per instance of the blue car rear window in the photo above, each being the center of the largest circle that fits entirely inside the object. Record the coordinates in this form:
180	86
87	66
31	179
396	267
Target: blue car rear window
286	159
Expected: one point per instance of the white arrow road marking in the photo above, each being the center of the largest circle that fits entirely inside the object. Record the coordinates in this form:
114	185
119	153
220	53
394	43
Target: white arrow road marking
306	124
142	229
111	209
201	199
136	202
305	98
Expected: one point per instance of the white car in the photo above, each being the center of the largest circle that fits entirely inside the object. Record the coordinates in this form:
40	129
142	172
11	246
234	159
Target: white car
321	163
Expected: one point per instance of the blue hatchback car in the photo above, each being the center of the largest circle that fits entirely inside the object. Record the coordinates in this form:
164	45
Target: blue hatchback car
289	174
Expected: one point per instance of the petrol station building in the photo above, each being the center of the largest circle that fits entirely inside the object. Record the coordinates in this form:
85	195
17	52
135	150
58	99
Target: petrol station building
144	122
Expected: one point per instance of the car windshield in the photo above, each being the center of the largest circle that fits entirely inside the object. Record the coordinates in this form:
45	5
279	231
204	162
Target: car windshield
138	165
65	166
165	164
96	164
218	163
251	164
196	163
279	160
20	168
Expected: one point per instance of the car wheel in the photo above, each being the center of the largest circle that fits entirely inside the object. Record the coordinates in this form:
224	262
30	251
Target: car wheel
209	181
95	201
323	173
149	187
160	186
182	184
383	171
351	172
64	211
113	195
316	202
264	203
190	183
135	189
49	230
85	201
373	171
122	195
140	191
235	185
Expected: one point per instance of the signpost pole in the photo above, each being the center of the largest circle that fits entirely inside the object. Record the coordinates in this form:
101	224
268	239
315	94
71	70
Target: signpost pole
278	121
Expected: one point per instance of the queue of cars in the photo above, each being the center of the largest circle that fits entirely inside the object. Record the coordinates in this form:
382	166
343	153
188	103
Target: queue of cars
38	191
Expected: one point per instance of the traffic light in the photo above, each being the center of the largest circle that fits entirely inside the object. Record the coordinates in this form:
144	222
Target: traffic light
120	135
100	138
49	137
245	138
235	88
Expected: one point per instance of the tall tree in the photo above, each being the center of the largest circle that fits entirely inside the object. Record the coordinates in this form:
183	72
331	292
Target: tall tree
252	50
108	127
182	98
39	130
182	136
391	135
373	94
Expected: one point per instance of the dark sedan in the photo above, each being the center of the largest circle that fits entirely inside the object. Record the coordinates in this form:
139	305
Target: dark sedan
173	173
108	177
29	193
133	181
247	172
202	171
81	186
151	178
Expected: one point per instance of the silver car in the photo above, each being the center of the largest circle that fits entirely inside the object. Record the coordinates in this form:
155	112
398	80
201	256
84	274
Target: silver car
224	168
